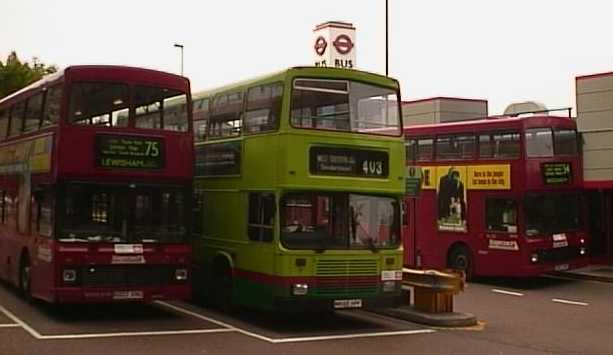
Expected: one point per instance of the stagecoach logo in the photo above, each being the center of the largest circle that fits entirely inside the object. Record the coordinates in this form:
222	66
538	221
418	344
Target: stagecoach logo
320	45
343	44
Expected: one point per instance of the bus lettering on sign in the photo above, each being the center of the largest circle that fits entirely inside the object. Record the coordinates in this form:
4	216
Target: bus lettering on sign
129	152
556	173
348	162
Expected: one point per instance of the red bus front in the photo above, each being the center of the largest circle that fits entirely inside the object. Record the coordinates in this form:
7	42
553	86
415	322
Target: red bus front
109	211
507	202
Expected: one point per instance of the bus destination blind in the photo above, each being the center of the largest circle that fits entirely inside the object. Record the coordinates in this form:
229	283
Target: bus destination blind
348	162
129	152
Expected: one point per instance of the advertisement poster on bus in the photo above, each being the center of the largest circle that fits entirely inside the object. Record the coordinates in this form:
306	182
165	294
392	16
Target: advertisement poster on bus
451	198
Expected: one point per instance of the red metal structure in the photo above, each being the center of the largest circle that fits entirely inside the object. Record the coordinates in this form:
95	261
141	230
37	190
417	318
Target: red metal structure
95	186
500	196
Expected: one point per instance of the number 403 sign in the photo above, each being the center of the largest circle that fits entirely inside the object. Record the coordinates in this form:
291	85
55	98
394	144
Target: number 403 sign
372	167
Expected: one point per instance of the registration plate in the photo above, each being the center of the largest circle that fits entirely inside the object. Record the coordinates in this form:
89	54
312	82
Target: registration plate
561	267
340	304
128	295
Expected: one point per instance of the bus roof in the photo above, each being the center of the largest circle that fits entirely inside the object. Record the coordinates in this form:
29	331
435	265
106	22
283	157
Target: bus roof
322	72
121	73
494	122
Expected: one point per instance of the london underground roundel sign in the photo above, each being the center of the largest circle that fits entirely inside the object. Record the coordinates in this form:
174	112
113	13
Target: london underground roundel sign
343	44
320	45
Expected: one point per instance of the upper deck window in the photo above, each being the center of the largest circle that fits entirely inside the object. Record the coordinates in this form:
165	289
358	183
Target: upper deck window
263	108
455	147
499	145
565	142
33	113
225	120
159	108
53	101
104	104
201	116
17	118
539	142
348	106
4	122
425	149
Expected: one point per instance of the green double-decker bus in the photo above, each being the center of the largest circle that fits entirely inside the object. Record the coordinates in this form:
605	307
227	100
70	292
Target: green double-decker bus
299	180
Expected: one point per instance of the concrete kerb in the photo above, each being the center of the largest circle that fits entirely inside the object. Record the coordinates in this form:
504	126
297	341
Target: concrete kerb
446	319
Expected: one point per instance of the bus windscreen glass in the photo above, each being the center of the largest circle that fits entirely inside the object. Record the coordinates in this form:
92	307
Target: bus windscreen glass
339	221
549	213
345	106
103	213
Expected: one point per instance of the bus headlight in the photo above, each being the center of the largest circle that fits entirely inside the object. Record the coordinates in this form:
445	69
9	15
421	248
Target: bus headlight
389	286
69	275
181	274
300	289
534	258
582	251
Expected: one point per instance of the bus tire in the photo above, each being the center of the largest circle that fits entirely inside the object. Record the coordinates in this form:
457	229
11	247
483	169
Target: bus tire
25	277
460	259
223	286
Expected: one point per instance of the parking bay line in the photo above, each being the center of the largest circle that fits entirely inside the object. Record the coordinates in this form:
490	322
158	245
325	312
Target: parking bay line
37	335
574	303
505	292
14	325
297	340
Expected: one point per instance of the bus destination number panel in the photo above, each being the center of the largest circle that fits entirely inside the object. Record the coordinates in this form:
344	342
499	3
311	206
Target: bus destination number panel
129	152
348	162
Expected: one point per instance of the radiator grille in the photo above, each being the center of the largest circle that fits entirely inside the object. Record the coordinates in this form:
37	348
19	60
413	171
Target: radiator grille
339	277
127	275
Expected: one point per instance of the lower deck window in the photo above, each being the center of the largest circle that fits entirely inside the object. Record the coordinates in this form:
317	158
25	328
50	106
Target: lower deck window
501	215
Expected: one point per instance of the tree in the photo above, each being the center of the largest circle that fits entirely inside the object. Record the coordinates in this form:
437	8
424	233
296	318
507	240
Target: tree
15	75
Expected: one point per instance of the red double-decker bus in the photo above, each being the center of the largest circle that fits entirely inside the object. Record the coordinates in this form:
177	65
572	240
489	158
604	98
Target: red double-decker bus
95	186
500	196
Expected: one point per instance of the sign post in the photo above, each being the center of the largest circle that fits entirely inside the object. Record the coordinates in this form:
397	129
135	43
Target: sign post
334	45
413	181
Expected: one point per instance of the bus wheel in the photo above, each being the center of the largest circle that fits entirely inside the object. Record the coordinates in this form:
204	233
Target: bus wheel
460	259
223	288
25	278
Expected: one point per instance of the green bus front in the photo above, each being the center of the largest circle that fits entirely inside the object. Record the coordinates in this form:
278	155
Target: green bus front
300	206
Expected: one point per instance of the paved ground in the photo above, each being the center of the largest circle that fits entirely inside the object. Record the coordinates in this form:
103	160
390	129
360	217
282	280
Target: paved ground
535	316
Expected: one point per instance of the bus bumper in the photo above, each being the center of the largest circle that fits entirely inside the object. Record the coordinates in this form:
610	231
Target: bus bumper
559	266
306	304
88	295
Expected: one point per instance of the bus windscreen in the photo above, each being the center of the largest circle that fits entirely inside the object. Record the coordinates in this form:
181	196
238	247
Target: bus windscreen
346	106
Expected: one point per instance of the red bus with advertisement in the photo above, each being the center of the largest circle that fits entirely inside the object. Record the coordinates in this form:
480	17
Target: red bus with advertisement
95	186
499	197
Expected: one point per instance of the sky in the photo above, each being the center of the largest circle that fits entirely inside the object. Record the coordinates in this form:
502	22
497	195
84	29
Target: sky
500	50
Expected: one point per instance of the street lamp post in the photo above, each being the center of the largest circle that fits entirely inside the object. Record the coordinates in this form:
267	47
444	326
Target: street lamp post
386	39
180	46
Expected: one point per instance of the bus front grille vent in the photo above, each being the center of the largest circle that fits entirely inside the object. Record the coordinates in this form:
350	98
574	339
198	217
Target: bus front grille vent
346	276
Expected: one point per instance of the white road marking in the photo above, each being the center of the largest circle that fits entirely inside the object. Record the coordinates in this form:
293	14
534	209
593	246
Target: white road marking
296	340
215	321
505	292
40	336
23	324
225	328
10	325
134	334
574	303
353	336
